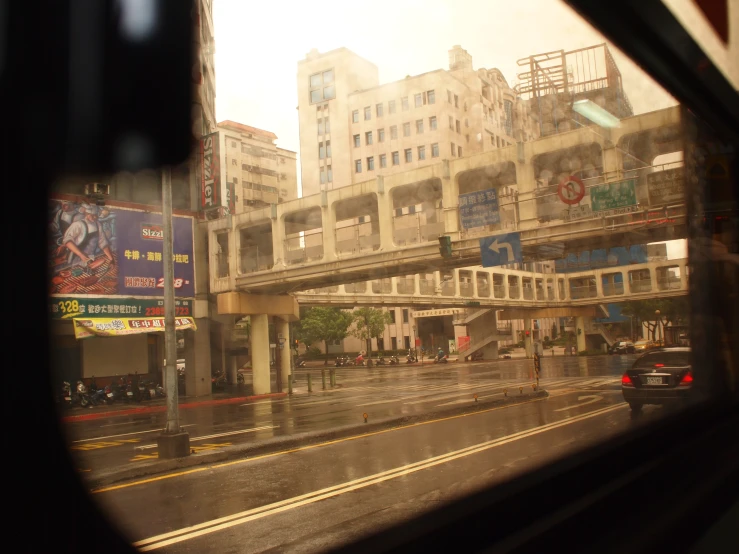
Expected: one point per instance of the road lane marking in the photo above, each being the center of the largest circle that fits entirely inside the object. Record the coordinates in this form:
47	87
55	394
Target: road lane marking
208	527
126	434
214	436
592	398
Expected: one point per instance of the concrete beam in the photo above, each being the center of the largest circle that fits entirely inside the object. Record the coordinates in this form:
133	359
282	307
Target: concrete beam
242	303
541	313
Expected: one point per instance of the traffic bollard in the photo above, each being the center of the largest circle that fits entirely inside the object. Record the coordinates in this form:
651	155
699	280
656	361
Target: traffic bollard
323	378
289	384
332	377
310	383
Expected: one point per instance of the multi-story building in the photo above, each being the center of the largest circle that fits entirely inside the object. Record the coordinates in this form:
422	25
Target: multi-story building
352	127
254	168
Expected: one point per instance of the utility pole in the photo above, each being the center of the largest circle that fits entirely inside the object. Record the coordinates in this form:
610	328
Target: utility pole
173	442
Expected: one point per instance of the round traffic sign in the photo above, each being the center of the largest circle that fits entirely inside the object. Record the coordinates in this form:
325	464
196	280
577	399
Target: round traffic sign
571	190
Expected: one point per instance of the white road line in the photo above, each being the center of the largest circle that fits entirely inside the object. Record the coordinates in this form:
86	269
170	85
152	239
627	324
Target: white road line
216	436
126	434
201	529
434	398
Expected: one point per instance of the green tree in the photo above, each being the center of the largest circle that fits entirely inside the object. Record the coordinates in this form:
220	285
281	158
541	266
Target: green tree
674	310
323	325
554	331
369	323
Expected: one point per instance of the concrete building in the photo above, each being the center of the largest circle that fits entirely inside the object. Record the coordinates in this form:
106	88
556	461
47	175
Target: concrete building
353	128
254	168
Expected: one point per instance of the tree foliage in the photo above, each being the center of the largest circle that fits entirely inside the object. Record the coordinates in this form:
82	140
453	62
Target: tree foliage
674	310
369	323
323	325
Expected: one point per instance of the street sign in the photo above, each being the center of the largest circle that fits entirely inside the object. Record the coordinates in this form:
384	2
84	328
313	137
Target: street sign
501	249
613	196
477	209
571	190
666	186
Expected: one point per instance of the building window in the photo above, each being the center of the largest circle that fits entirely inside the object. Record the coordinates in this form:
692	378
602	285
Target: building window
330	173
367	113
431	97
357	141
407	342
406	129
396	158
323	176
404	103
368	137
408	155
467	137
321	128
393	132
466	122
322	86
508	108
391	106
454	149
378	110
355	116
419	126
497	141
233	162
457	126
433	125
449	96
358	166
321	151
421	152
451	123
456	101
435	150
236	180
328	129
371	163
328	148
383	160
418	100
380	135
405	316
459	151
391	311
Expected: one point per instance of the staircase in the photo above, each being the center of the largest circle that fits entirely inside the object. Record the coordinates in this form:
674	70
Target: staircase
500	334
468	316
592	328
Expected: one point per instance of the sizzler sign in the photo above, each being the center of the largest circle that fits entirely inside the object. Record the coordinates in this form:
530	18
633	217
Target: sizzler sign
211	175
152	232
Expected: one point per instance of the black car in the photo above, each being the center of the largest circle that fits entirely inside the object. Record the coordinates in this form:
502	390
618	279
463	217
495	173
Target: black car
622	347
658	377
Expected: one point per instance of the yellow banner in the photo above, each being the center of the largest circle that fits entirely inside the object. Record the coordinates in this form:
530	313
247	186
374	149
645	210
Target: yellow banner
119	326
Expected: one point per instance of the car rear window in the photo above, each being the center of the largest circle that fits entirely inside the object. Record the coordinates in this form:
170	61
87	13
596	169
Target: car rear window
669	359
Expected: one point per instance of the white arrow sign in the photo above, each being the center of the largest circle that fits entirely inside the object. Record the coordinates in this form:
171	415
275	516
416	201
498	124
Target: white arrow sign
591	398
496	247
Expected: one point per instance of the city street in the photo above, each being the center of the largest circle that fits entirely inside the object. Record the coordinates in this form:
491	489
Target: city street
118	439
272	501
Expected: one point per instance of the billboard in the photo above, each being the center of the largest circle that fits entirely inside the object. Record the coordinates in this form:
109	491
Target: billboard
477	209
105	251
210	166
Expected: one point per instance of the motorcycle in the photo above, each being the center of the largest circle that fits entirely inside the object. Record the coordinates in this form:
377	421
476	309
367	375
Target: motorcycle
300	362
97	395
477	356
441	359
341	361
65	395
380	360
411	358
218	381
82	396
394	360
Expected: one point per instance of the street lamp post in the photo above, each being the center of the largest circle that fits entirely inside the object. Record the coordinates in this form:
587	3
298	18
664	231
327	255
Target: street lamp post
173	442
659	321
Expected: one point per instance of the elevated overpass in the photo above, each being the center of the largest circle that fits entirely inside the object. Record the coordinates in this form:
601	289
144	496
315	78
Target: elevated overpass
388	226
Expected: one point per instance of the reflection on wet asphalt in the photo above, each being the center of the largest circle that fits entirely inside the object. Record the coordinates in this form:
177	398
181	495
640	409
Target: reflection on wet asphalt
384	392
332	493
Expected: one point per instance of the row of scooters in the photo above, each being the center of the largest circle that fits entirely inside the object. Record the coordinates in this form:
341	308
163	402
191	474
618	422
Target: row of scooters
123	389
342	361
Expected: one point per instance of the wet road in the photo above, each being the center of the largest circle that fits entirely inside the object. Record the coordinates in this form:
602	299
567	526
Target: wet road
327	494
384	392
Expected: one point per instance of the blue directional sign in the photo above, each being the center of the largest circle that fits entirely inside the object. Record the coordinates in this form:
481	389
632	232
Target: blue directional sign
477	209
501	249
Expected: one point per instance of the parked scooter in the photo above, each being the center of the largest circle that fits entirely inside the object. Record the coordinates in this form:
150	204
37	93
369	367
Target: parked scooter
476	357
341	361
218	381
411	358
65	395
394	360
380	360
97	395
300	362
82	396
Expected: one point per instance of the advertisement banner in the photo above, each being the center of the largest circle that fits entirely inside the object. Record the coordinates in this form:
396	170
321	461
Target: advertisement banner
477	209
210	170
106	251
602	258
666	186
61	307
612	196
463	343
120	326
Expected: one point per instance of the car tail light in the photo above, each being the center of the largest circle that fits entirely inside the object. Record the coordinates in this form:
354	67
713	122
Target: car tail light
687	379
659	365
626	381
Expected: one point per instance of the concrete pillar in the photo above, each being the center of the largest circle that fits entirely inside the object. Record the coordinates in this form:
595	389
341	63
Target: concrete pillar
233	370
490	351
283	327
278	243
417	283
385	217
328	220
260	353
449	199
527	340
580	333
197	359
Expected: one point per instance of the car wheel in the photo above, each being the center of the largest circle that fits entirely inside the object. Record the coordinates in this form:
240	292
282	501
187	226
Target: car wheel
635	406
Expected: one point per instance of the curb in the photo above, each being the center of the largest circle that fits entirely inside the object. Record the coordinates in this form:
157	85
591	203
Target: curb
288	442
159	409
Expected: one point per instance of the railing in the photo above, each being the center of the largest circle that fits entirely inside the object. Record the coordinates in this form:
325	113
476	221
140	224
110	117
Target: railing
356	238
540	293
499	291
296	253
613	289
528	293
409	229
466	290
406	286
514	291
550	294
447	288
222	264
640	285
578	293
672	283
427	287
356	288
483	290
251	260
384	286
